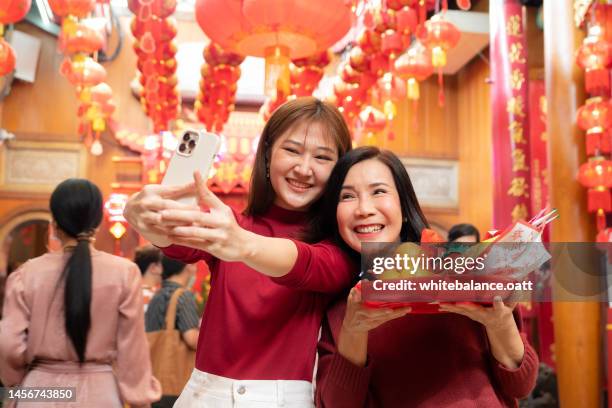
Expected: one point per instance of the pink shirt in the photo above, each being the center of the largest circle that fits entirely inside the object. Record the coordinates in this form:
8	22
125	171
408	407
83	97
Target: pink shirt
32	333
260	328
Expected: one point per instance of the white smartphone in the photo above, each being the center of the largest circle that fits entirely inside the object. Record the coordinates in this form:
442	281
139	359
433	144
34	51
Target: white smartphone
196	150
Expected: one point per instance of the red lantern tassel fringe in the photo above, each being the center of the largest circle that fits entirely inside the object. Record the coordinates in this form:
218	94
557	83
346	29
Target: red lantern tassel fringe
597	82
599	199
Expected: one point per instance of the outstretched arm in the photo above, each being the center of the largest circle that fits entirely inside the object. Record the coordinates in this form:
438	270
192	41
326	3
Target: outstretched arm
218	233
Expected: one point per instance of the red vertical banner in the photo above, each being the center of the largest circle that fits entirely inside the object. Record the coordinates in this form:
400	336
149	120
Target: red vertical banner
538	143
509	96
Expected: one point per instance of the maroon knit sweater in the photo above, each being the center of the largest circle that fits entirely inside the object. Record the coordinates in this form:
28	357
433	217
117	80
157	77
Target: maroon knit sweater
420	361
260	328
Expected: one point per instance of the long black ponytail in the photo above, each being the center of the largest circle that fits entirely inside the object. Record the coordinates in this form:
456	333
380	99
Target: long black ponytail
76	206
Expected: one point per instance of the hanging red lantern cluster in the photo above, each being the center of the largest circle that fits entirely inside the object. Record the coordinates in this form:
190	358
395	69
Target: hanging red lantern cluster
11	11
154	31
79	39
389	27
307	72
595	116
217	96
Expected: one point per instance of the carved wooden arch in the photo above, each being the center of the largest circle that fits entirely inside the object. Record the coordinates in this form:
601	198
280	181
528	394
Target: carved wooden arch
12	220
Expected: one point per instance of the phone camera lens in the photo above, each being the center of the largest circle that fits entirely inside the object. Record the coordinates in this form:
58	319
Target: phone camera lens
191	144
182	147
186	137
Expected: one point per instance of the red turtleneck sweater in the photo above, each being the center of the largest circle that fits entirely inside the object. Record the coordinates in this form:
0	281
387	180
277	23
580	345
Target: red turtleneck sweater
260	328
420	361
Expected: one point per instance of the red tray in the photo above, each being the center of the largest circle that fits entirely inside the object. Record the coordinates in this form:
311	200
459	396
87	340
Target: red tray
394	300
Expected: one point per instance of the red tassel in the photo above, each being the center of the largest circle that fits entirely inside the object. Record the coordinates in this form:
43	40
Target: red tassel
599	199
600	220
441	97
415	115
597	82
593	142
606	141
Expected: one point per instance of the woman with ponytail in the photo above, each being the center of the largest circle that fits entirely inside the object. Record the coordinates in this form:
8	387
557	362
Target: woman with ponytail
74	318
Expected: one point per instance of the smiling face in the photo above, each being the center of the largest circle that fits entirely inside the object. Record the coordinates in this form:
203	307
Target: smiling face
369	208
301	161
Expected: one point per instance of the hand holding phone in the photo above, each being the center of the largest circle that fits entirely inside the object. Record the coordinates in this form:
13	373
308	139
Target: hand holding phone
196	150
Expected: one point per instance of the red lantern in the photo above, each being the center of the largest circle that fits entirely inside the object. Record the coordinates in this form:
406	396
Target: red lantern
160	29
161	51
7	58
305	79
11	11
145	9
391	90
379	64
83	71
101	93
595	117
414	66
369	41
379	20
79	37
372	121
595	57
358	59
318	60
392	43
596	175
398	4
440	37
407	20
77	8
215	55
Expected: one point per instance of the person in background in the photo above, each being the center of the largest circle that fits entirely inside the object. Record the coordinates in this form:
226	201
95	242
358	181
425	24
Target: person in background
463	233
73	318
175	275
148	259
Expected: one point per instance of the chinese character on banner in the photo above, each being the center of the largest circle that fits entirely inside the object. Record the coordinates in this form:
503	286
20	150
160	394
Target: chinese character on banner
514	26
519	187
516	106
516	132
519	212
517	79
516	54
518	160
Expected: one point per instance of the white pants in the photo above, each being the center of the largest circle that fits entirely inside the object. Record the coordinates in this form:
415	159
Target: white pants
204	390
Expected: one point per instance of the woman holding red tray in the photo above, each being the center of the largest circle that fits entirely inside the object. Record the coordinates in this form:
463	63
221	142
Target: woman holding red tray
470	357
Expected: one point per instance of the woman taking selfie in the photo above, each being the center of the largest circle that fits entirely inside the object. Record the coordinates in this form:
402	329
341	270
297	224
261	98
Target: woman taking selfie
74	318
258	338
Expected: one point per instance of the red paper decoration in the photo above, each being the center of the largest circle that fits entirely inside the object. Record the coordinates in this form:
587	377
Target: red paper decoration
7	58
11	11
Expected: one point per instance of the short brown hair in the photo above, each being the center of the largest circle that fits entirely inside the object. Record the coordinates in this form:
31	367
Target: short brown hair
299	110
145	256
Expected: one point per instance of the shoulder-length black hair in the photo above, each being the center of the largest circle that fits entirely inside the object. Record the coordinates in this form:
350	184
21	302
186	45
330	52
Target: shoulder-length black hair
323	223
76	206
297	111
